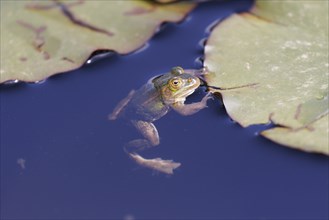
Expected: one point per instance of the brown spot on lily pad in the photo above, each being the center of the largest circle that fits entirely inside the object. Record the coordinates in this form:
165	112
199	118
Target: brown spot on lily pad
23	59
298	111
140	11
68	59
39	40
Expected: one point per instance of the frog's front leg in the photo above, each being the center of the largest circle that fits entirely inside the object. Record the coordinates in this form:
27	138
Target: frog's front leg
150	133
121	105
190	109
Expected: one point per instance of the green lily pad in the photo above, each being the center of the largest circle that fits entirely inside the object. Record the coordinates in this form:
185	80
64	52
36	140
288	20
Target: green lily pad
275	59
312	138
42	38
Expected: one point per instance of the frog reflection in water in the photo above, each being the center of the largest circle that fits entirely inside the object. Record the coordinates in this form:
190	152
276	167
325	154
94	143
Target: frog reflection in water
151	102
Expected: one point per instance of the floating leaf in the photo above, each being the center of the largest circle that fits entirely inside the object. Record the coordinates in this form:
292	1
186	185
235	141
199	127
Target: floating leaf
41	38
312	138
276	58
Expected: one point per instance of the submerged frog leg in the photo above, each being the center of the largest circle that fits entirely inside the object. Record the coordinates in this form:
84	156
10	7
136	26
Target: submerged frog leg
190	109
158	164
148	130
137	145
118	109
151	136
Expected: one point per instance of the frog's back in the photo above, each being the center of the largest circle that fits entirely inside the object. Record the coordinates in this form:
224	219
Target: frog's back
147	104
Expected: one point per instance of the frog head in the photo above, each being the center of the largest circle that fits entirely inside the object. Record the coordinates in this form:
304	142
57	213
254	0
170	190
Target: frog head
176	85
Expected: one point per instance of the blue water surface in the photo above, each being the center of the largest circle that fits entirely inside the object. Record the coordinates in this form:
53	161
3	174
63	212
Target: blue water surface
75	166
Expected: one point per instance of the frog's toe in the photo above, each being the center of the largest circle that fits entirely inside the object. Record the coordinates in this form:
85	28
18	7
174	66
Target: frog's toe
166	166
206	98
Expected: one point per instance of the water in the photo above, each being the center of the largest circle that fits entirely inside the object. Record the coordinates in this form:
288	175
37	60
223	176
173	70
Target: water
61	158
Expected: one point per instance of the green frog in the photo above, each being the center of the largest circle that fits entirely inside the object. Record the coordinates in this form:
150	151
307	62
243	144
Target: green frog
152	101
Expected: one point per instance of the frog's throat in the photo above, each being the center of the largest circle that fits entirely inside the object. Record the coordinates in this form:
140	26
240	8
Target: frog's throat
179	97
186	93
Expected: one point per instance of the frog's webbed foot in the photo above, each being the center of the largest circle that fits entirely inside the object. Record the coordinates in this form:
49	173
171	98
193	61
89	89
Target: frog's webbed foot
118	109
158	164
190	109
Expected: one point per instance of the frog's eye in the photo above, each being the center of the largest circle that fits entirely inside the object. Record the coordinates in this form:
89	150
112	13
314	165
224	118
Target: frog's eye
175	83
177	70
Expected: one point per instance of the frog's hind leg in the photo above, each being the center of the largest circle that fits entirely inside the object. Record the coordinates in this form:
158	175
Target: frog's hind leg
137	145
148	130
118	109
151	136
